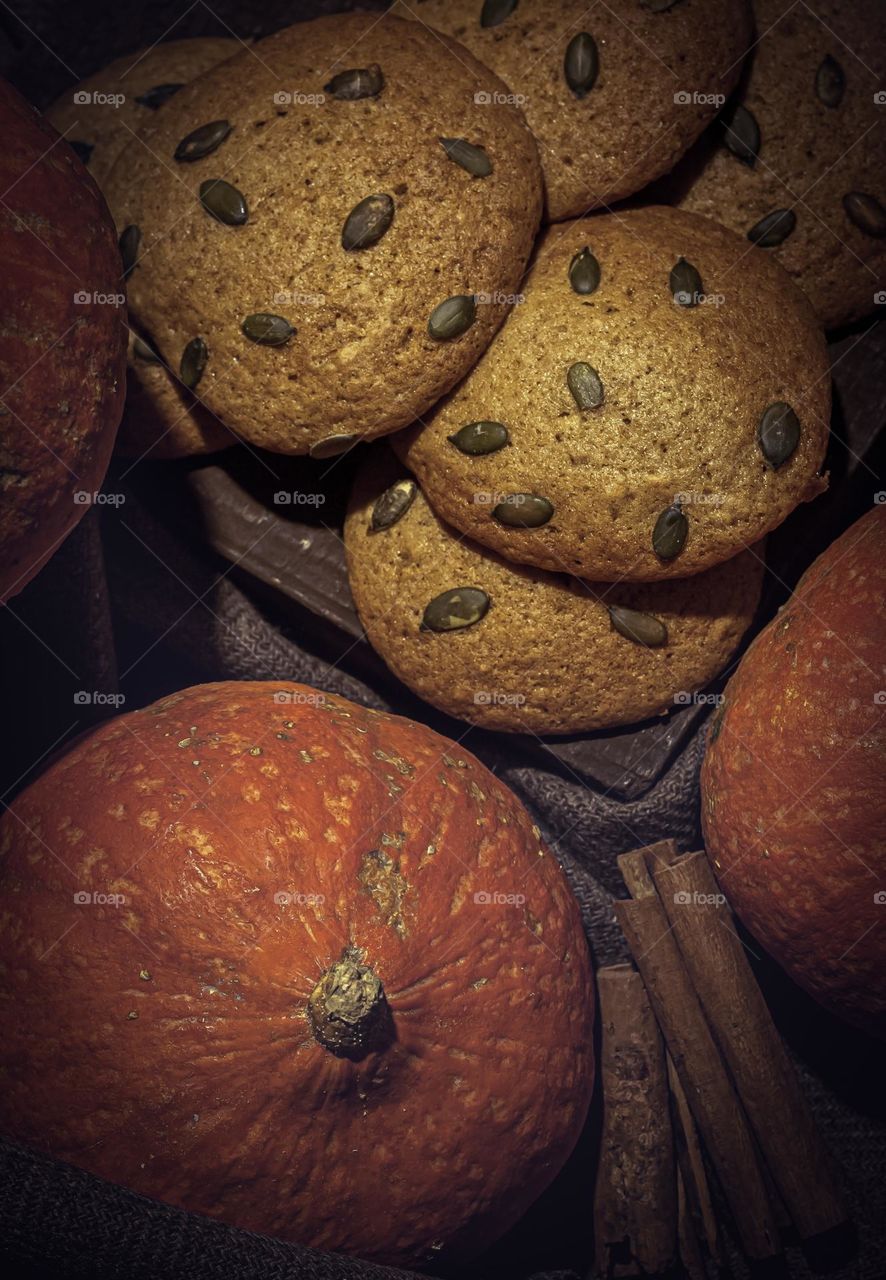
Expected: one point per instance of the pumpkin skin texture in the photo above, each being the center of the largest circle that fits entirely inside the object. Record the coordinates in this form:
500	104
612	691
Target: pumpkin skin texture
62	359
168	1042
794	780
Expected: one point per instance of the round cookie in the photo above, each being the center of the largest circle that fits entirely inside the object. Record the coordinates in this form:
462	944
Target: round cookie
662	73
99	127
546	657
816	135
633	421
304	303
161	418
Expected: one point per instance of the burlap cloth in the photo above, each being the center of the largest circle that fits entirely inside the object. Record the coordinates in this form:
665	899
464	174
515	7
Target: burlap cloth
136	599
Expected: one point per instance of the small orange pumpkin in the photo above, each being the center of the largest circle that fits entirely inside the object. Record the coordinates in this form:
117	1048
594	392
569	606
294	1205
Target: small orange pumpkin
298	965
794	780
62	341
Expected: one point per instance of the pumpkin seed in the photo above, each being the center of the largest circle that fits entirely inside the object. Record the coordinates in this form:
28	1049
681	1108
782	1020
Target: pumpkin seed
670	532
359	82
584	382
830	82
367	222
455	609
476	438
83	150
141	349
392	505
774	229
267	330
584	272
225	203
685	283
523	511
193	362
203	141
452	317
130	238
642	628
494	12
778	433
742	135
160	93
866	212
471	157
581	64
332	446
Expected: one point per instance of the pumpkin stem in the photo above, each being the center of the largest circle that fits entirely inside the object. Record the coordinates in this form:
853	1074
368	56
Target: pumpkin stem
348	1011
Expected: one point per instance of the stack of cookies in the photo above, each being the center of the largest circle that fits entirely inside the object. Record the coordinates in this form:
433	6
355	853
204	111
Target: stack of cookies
332	235
577	541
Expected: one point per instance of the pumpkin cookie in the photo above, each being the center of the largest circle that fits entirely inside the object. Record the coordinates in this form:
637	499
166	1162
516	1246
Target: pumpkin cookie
797	164
515	648
162	419
614	93
328	236
658	402
100	116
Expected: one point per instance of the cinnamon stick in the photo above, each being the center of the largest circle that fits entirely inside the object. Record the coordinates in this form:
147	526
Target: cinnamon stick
635	1197
687	1239
693	1175
715	1106
635	867
747	1037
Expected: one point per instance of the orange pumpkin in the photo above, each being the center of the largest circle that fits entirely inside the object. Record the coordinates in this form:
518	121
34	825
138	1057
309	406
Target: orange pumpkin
294	964
794	780
62	341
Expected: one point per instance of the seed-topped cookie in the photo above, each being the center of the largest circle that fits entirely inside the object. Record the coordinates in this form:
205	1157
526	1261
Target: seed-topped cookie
100	116
516	648
161	418
658	402
797	163
614	93
327	231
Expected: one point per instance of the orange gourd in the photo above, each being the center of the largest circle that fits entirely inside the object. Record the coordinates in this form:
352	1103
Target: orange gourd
298	965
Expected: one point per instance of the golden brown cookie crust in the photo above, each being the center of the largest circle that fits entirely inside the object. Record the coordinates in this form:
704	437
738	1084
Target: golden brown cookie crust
545	659
662	77
811	154
161	418
107	128
685	388
362	361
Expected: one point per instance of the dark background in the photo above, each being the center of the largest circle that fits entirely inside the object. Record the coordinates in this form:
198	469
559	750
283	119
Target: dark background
48	45
45	47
